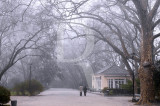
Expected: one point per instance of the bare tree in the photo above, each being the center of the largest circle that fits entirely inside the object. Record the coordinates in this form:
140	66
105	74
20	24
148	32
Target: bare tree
147	14
142	17
22	30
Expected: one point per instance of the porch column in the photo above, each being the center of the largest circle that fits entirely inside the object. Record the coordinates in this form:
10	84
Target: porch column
114	83
125	81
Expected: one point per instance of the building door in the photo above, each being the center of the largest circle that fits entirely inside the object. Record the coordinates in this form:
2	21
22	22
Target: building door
98	83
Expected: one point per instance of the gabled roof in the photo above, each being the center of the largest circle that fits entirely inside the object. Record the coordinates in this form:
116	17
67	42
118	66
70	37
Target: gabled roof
114	70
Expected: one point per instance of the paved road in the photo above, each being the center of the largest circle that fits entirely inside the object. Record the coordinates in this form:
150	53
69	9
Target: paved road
70	97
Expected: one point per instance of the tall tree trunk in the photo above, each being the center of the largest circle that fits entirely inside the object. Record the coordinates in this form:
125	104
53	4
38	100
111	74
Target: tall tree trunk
146	66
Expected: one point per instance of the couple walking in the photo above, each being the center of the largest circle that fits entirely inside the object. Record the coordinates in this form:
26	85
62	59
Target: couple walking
83	89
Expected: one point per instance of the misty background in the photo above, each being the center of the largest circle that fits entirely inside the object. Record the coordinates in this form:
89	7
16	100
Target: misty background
31	31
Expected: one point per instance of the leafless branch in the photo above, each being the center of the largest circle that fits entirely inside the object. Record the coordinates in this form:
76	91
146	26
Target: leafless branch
154	10
155	36
156	23
26	10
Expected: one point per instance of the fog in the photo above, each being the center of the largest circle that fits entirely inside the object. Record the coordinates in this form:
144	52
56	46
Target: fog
62	43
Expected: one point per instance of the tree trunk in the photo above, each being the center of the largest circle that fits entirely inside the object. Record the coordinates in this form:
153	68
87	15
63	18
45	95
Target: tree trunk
147	86
146	67
2	72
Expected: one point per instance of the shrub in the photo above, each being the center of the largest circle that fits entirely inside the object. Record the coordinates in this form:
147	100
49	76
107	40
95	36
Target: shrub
35	87
127	86
28	88
104	89
4	95
111	92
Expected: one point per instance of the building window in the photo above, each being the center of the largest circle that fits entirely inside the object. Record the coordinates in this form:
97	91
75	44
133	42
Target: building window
115	83
119	82
98	81
110	83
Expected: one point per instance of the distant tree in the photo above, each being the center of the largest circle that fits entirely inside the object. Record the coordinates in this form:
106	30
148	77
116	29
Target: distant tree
23	29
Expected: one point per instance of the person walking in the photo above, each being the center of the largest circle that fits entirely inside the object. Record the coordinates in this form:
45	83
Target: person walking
85	90
81	89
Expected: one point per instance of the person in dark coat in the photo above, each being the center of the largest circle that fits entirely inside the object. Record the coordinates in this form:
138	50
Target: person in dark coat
85	90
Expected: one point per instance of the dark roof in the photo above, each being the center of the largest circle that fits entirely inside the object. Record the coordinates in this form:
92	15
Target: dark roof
114	70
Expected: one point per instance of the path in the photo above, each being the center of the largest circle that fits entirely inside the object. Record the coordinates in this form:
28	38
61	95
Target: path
70	97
